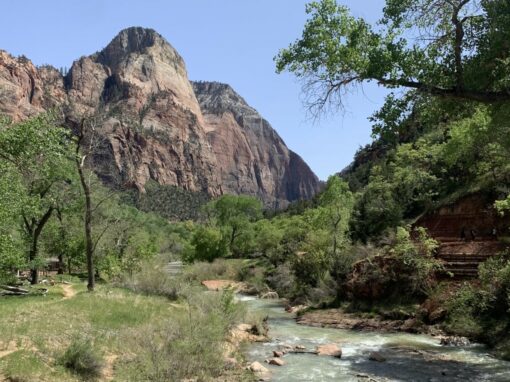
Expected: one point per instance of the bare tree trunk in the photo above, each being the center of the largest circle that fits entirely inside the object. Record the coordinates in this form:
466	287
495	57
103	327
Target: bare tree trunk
34	272
61	265
89	246
34	229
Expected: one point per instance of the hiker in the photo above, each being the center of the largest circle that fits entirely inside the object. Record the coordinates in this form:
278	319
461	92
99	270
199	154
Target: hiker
463	234
473	234
494	233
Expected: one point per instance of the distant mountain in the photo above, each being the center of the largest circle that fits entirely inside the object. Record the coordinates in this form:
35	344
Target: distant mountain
157	126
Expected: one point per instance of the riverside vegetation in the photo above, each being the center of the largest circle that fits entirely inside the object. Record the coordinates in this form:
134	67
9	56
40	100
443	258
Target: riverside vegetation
354	246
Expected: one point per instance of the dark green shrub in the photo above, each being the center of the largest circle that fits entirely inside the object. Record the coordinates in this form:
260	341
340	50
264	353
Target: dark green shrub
404	269
207	244
481	311
81	358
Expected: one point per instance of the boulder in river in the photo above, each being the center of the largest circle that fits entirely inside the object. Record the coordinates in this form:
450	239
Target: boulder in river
277	353
260	371
276	361
454	341
269	296
330	349
376	356
296	309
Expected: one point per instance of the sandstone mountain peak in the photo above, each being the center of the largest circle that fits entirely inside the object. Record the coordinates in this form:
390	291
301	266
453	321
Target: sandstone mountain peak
220	96
157	126
137	41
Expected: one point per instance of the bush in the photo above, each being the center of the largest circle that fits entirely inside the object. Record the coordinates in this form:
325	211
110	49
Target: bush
403	264
81	358
11	258
462	312
283	280
207	244
310	267
153	279
218	269
189	345
481	311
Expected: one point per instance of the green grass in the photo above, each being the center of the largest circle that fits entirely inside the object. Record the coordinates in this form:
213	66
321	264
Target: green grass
43	326
118	324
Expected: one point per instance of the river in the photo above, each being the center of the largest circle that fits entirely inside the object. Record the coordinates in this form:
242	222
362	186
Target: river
409	357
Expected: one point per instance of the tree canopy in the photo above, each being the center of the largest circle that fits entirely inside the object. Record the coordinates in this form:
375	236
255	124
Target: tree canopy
457	49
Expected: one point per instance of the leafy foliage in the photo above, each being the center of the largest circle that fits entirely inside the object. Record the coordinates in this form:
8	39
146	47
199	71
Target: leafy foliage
482	311
206	244
81	358
459	53
234	214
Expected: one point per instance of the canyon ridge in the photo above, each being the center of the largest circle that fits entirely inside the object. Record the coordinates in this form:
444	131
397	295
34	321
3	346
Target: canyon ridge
155	125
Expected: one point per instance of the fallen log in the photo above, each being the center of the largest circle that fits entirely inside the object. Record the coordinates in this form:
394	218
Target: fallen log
10	293
14	289
6	290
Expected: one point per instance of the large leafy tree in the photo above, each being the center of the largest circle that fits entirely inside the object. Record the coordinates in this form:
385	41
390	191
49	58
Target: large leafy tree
335	206
234	215
37	153
457	49
11	258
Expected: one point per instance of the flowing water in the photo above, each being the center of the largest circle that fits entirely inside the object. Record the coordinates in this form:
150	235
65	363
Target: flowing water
409	357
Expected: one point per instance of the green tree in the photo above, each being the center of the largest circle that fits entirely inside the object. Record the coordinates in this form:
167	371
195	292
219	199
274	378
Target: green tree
234	214
207	244
11	257
38	151
461	50
335	206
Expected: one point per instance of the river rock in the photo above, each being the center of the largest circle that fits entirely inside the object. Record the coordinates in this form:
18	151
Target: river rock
260	371
269	296
330	350
454	341
410	326
277	353
276	361
376	356
437	315
296	309
257	367
245	327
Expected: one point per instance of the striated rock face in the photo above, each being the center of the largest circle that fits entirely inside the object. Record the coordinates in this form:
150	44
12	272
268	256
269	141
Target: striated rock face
152	127
251	156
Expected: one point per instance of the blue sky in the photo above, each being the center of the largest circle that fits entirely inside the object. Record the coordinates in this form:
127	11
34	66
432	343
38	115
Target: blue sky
232	41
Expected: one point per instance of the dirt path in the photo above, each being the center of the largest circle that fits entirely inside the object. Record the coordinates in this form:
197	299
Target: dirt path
11	348
108	369
68	290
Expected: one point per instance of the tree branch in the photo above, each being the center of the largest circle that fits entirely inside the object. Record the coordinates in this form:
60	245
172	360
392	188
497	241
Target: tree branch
463	94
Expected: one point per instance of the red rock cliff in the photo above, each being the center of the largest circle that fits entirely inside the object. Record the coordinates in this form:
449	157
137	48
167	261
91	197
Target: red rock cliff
151	125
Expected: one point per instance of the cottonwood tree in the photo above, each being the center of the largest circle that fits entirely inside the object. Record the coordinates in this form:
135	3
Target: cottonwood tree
455	49
96	198
234	215
37	151
335	207
87	140
11	258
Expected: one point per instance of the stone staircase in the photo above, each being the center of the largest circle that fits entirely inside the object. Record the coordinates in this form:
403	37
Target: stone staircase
467	231
462	258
